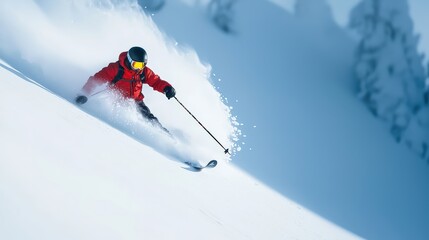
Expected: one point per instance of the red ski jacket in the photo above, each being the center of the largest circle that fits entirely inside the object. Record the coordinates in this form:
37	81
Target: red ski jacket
131	83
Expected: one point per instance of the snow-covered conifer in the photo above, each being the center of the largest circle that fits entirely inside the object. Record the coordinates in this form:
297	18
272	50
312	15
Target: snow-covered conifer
389	70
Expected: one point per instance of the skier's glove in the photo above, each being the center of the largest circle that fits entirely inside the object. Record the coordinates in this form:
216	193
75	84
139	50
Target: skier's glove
81	99
170	92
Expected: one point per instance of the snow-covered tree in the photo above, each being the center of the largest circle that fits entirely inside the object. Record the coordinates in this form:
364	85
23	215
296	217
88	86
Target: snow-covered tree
222	14
389	69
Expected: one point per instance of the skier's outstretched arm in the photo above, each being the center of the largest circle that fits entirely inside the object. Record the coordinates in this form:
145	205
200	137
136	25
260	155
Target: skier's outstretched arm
103	76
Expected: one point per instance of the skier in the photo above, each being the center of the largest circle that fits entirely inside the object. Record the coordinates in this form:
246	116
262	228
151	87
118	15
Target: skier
127	75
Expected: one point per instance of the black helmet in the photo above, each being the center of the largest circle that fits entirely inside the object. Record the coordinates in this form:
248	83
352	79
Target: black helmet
137	57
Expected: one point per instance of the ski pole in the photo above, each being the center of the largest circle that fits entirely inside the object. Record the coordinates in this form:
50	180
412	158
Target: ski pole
226	150
98	92
82	99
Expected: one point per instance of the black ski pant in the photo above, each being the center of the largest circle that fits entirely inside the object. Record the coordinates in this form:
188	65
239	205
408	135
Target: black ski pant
145	111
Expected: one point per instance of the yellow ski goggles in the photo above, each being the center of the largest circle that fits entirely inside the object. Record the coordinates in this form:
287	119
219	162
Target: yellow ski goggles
134	64
137	65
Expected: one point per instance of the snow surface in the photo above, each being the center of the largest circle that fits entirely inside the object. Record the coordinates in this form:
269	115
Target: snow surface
66	175
303	134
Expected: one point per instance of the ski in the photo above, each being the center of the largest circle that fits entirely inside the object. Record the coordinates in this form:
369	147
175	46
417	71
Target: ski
197	167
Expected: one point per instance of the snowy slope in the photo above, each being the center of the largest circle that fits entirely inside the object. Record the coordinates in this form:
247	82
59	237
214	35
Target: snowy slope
66	175
287	77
